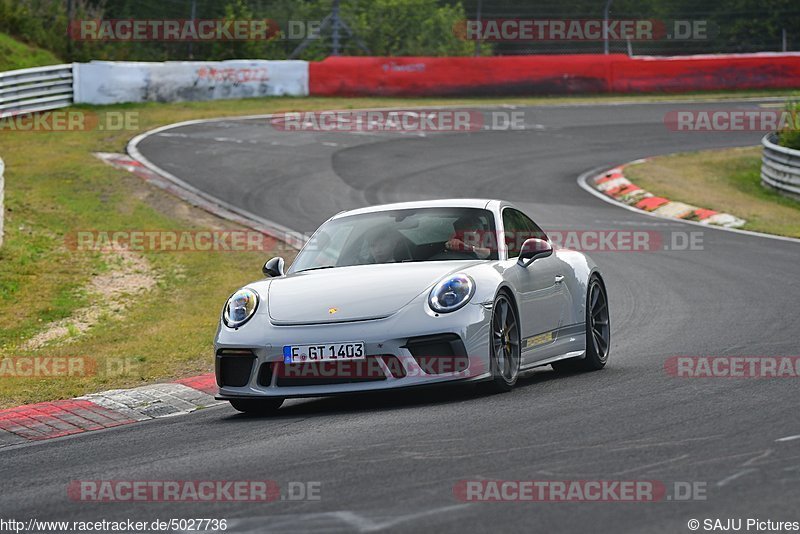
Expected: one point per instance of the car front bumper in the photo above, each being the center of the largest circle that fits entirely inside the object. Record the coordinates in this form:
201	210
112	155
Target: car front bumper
396	349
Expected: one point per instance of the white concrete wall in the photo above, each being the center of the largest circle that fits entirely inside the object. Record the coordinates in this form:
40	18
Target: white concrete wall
106	82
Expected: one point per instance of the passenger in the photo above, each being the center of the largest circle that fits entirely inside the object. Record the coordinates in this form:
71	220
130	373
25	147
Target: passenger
385	246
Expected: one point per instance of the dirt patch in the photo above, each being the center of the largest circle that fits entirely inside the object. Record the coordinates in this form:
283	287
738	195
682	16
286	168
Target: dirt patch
129	275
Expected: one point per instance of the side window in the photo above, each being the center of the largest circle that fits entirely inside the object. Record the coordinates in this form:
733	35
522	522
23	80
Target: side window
533	228
518	227
512	226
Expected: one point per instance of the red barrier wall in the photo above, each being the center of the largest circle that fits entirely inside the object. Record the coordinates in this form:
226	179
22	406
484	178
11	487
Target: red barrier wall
706	73
567	74
423	76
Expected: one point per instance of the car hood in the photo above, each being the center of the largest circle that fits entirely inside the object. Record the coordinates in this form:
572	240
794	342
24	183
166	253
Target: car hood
354	293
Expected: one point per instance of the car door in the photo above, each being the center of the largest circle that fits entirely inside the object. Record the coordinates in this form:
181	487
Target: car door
540	286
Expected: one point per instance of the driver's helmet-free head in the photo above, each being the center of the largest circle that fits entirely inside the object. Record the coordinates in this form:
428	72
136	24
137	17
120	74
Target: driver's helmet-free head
468	228
468	223
382	243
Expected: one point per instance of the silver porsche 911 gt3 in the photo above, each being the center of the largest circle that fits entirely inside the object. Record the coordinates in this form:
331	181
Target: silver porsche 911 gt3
412	294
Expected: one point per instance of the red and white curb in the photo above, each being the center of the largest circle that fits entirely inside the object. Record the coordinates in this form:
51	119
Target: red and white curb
48	420
108	409
615	185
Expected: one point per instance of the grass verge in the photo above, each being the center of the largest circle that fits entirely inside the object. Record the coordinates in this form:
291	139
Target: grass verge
725	180
152	317
18	55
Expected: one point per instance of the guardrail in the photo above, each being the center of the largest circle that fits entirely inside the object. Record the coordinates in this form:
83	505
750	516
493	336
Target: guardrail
2	210
36	89
780	167
108	82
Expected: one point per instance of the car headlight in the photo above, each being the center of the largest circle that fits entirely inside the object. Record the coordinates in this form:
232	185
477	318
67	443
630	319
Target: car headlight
451	293
240	307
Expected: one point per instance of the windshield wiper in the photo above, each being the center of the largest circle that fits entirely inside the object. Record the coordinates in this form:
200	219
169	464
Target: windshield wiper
318	268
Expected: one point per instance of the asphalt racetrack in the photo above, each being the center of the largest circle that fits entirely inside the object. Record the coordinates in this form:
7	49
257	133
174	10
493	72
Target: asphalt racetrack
391	461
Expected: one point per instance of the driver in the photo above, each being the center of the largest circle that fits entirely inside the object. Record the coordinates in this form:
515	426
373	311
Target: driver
382	244
464	226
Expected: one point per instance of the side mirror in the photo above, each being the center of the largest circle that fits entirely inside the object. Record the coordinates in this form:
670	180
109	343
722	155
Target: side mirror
533	249
274	267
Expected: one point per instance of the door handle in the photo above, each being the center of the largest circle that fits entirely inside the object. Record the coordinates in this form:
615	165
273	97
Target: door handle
559	278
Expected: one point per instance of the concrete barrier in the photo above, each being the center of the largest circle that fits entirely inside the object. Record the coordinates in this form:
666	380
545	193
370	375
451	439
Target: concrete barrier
107	82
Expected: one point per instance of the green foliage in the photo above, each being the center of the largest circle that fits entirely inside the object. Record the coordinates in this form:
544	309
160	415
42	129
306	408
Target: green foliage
222	50
43	23
408	27
731	26
386	27
16	55
790	136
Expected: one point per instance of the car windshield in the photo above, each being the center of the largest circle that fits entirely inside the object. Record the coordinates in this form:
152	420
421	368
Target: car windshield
396	236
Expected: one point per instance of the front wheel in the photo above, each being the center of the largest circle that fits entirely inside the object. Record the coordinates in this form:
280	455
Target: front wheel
598	332
267	406
504	344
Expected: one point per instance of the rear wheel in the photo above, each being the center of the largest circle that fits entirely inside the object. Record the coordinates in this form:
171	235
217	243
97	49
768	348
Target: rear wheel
504	344
598	332
266	406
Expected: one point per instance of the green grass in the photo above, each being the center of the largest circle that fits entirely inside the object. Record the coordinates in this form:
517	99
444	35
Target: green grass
726	180
18	55
54	186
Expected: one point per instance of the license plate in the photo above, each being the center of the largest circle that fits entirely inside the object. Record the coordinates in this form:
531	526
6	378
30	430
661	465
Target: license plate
331	352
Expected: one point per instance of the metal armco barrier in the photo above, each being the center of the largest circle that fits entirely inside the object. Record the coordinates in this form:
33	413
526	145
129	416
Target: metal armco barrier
780	167
37	89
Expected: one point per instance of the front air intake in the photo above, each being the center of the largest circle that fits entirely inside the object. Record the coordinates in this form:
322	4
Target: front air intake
233	367
439	354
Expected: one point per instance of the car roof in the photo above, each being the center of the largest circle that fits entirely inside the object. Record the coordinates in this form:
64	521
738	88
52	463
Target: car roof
481	203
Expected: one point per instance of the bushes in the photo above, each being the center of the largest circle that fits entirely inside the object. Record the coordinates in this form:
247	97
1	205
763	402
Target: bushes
790	136
387	27
43	23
